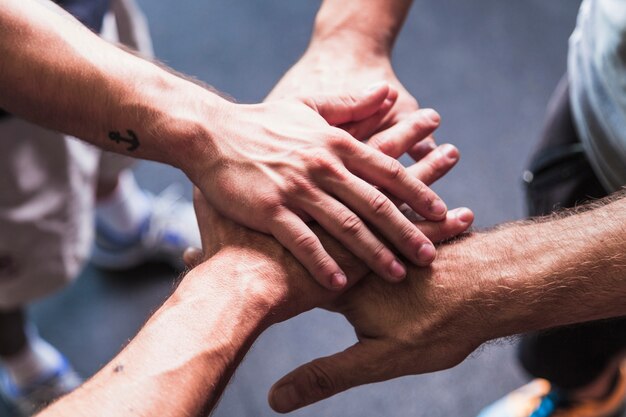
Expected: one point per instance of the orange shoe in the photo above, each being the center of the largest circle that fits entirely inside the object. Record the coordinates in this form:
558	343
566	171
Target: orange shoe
539	399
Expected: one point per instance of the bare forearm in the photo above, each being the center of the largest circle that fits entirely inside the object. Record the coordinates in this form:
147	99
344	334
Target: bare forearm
518	278
57	73
373	24
181	361
549	273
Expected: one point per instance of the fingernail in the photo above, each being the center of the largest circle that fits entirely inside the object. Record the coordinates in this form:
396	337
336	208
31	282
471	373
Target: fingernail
285	398
451	152
438	208
375	86
465	215
338	281
426	253
432	115
424	147
397	270
387	104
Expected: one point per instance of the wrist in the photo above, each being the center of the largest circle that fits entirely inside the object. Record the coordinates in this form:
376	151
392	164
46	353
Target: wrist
175	120
350	40
371	26
486	273
253	286
518	280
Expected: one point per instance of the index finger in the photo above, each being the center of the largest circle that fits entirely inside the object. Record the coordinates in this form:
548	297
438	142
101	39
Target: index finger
404	135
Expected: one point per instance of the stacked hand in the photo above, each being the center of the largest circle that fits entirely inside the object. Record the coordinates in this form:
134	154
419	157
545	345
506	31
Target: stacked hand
281	164
412	322
341	65
408	321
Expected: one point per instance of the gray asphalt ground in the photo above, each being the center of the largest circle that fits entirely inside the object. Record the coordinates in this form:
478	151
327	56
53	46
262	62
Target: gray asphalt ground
488	66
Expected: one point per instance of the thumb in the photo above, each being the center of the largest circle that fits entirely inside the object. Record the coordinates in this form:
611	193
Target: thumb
205	216
360	364
344	108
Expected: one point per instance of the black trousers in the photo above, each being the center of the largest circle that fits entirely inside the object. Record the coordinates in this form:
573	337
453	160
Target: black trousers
560	176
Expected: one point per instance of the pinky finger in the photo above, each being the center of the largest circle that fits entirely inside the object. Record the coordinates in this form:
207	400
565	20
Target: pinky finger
456	222
435	164
304	245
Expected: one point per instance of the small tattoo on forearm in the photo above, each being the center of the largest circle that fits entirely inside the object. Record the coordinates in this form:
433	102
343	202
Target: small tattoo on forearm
133	140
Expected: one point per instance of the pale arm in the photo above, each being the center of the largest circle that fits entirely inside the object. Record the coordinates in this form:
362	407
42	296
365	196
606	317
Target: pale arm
351	46
520	277
271	166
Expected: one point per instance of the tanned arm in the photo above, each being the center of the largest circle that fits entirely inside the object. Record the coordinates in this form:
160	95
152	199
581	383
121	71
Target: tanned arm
179	364
372	24
351	46
564	269
182	359
268	166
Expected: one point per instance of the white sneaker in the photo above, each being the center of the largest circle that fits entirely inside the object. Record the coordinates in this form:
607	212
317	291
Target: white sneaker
26	401
170	228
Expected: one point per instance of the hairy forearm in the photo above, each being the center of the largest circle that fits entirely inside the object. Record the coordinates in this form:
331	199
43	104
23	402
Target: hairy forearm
57	73
373	24
551	272
181	361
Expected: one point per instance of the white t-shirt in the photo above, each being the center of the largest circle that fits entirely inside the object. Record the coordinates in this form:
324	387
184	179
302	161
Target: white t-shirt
597	75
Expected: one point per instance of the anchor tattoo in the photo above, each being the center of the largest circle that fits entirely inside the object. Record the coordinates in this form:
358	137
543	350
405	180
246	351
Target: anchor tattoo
133	141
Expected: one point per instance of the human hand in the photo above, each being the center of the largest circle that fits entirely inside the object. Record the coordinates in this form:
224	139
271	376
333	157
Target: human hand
282	276
282	163
429	322
343	63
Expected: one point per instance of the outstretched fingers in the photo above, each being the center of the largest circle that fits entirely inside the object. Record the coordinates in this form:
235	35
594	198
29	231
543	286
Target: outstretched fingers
354	234
389	174
373	206
289	229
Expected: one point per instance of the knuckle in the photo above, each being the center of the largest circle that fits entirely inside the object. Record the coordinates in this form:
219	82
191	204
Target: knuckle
409	234
380	252
305	241
327	165
349	101
337	171
296	187
382	144
421	192
321	158
394	170
269	204
380	204
416	125
350	225
321	383
341	142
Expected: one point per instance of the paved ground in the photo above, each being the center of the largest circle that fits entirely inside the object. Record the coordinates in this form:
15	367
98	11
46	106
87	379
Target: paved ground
488	66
